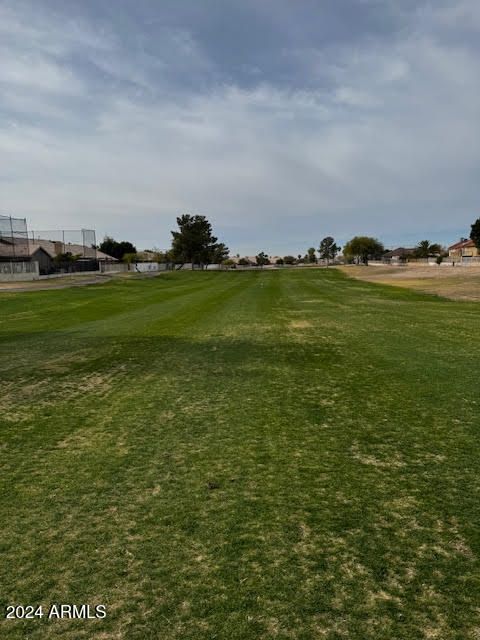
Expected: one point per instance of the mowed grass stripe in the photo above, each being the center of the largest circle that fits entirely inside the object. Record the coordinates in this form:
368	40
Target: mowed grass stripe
286	454
83	305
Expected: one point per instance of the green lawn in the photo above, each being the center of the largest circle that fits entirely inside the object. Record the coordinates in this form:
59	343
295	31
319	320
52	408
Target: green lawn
279	454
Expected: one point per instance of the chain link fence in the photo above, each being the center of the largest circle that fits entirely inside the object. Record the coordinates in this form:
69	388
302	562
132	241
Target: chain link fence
14	241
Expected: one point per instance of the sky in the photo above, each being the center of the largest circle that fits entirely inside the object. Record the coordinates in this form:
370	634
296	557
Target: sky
282	121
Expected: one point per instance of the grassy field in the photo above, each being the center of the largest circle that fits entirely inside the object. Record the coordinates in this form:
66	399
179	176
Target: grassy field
284	454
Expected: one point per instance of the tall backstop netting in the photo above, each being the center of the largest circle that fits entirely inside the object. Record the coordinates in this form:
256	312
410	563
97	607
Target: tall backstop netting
13	238
79	242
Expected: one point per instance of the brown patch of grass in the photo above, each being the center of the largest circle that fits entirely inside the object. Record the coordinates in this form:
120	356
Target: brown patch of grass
457	283
394	460
300	324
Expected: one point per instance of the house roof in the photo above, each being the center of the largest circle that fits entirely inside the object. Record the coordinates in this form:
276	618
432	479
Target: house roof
54	248
34	250
49	248
20	247
146	254
79	249
399	251
12	248
462	244
251	259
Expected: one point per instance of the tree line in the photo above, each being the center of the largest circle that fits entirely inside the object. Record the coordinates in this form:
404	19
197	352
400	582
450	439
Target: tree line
193	243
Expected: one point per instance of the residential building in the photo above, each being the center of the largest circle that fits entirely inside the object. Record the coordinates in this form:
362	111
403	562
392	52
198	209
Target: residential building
400	254
465	248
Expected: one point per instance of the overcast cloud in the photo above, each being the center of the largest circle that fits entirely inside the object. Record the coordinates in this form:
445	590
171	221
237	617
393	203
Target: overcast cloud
281	120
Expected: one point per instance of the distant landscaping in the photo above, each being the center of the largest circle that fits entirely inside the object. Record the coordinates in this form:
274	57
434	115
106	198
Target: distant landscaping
193	243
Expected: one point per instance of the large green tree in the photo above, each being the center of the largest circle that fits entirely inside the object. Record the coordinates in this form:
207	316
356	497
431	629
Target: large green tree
312	258
220	253
66	258
194	242
262	259
328	249
475	233
424	249
361	249
116	249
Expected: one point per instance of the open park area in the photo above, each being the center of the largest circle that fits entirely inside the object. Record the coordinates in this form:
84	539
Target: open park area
288	454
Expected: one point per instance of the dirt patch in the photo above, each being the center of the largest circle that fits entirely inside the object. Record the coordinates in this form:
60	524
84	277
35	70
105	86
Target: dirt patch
300	324
457	283
54	283
386	461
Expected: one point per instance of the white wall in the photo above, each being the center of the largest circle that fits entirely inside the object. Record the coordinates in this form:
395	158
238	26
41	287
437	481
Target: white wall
145	267
18	271
113	267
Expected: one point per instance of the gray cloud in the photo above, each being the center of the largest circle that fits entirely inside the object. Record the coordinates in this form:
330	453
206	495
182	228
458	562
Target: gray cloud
282	126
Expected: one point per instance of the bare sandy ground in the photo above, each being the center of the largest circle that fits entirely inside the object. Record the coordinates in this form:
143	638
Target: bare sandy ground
54	283
72	281
457	283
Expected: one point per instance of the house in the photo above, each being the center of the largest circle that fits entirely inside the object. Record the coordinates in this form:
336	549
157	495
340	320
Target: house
16	249
400	254
7	249
20	250
465	248
13	248
45	251
88	253
43	257
147	255
244	261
